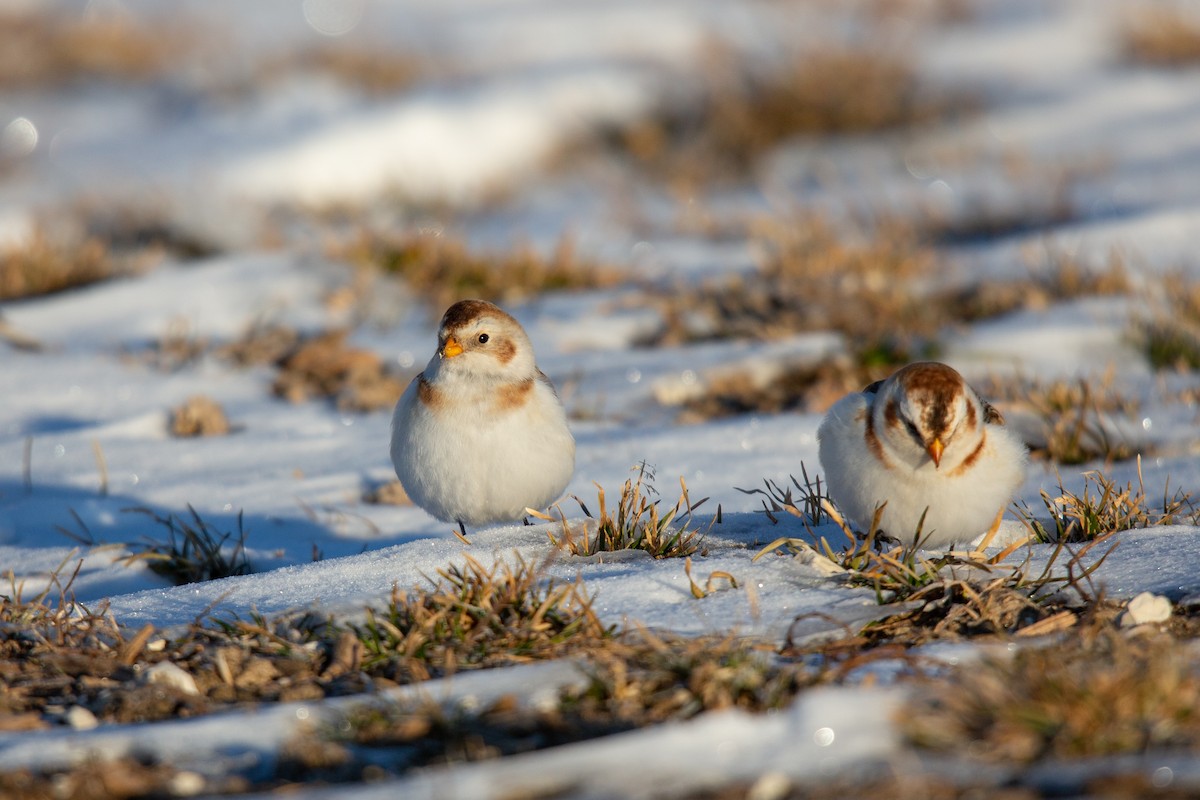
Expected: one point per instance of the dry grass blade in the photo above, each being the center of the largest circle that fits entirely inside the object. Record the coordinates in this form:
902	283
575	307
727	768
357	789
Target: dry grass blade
636	523
194	551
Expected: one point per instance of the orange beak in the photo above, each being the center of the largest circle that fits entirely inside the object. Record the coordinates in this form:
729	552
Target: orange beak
935	449
451	348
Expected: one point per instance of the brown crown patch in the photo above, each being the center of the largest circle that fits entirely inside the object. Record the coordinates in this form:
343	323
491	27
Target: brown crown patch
464	312
941	385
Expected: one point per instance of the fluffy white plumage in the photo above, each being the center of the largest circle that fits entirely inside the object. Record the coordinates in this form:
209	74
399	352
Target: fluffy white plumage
922	439
480	434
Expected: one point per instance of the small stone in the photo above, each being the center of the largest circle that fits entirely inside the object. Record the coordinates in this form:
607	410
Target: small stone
172	675
80	719
1144	609
186	784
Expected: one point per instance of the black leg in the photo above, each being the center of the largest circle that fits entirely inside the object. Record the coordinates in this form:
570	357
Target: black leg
527	522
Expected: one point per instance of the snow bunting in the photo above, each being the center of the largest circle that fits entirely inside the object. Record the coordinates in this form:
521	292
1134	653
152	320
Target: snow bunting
925	443
480	434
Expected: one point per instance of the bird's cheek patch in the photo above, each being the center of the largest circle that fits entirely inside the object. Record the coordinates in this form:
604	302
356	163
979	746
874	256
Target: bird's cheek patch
505	351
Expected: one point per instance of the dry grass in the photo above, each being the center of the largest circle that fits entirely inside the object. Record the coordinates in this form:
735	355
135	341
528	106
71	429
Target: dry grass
1103	507
56	48
635	524
878	289
312	366
1098	694
42	266
476	616
1077	417
813	278
1061	278
443	269
1162	36
738	111
376	70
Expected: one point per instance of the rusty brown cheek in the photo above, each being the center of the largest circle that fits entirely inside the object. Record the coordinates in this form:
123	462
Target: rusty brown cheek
505	351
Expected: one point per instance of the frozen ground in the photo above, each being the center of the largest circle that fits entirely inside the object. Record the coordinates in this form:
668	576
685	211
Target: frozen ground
521	77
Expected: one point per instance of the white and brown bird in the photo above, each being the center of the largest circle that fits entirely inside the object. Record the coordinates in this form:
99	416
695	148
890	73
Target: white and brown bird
480	434
925	443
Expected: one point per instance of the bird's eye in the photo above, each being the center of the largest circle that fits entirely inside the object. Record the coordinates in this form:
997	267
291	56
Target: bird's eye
483	338
912	430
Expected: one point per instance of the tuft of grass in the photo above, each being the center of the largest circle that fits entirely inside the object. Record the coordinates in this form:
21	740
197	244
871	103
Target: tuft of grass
40	267
1103	507
1171	335
810	505
636	523
475	616
1162	36
199	415
194	551
1094	695
325	366
443	269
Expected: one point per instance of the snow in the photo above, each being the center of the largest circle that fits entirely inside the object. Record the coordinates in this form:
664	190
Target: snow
530	74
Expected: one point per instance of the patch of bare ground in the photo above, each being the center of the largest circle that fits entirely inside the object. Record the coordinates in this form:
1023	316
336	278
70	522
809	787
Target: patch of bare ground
1162	35
86	243
322	365
887	291
56	47
42	266
736	109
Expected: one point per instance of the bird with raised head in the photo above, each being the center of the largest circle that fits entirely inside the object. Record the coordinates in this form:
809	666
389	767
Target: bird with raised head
480	434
